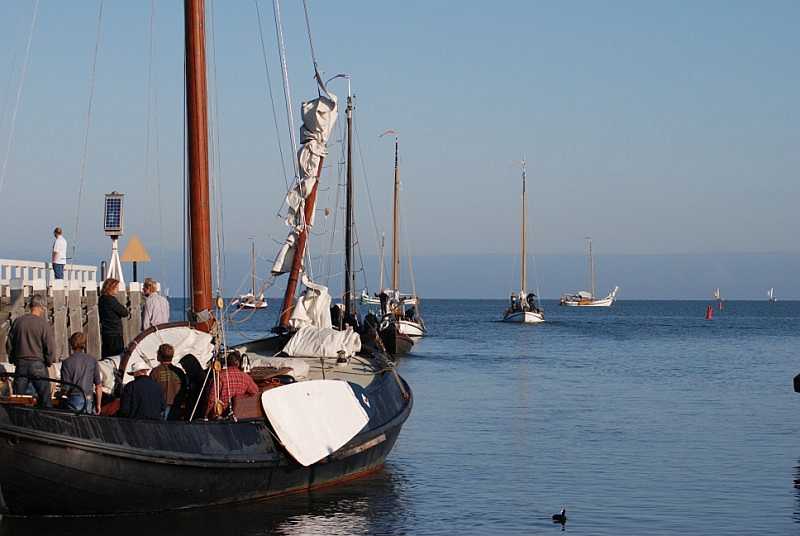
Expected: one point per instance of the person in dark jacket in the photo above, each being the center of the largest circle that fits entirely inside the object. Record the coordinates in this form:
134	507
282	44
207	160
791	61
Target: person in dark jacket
172	381
196	396
111	314
142	398
31	348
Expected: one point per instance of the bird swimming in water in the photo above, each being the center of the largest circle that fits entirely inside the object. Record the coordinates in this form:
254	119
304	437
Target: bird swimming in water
560	517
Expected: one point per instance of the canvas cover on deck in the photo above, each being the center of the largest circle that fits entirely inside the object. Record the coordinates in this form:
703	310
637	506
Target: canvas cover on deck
312	341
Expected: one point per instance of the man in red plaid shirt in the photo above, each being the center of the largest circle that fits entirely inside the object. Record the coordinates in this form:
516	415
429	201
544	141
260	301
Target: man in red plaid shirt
232	382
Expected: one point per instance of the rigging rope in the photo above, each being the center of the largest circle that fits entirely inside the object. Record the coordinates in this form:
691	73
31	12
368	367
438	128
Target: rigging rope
21	84
287	93
311	46
152	117
85	155
271	96
369	194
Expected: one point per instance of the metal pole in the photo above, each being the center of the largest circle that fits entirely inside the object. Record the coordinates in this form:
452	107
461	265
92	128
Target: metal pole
348	260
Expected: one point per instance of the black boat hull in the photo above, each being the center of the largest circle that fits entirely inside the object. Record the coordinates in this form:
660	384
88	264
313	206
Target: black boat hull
396	343
52	463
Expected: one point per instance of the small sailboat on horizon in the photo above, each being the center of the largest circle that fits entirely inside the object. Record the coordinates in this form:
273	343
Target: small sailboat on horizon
771	295
524	308
250	300
585	298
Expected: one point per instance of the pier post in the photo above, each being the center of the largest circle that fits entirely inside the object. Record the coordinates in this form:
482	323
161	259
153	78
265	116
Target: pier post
60	318
92	330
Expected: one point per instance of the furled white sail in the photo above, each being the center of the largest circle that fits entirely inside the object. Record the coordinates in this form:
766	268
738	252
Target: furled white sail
313	308
319	116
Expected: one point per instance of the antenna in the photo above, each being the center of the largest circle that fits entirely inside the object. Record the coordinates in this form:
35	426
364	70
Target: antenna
112	225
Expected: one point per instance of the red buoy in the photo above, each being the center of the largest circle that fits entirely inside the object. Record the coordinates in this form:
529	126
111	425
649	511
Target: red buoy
709	312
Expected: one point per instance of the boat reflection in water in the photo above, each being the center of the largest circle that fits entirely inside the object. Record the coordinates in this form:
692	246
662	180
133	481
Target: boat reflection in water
370	505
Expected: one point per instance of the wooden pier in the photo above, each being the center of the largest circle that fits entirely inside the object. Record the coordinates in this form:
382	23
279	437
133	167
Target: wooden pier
71	302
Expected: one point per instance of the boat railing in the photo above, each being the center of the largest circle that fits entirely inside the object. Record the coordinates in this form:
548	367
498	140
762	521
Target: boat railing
5	375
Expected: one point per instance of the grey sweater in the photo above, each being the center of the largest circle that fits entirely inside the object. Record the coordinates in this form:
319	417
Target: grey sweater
31	337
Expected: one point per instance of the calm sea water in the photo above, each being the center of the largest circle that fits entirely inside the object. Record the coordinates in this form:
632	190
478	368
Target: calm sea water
641	419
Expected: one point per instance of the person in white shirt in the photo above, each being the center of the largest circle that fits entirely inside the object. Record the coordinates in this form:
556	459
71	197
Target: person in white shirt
156	306
59	258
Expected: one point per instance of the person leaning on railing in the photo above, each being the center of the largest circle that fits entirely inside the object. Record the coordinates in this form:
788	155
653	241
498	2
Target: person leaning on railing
111	314
82	370
31	349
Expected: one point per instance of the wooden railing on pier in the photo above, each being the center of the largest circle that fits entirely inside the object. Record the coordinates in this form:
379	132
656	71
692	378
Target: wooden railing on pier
71	302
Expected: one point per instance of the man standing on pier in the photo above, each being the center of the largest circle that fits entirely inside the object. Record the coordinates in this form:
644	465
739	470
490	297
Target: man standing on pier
31	348
156	306
59	258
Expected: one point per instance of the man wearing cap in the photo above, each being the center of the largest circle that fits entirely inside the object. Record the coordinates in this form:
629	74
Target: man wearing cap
142	398
59	258
31	349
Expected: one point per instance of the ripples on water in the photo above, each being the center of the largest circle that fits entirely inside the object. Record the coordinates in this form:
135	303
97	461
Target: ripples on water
642	419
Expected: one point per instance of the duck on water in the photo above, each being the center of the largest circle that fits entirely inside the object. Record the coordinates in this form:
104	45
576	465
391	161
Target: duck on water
281	442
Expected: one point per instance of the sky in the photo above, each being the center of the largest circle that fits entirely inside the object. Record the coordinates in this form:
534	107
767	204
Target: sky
665	131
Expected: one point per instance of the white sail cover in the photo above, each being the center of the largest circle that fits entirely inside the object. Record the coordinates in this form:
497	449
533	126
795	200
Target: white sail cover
319	116
312	341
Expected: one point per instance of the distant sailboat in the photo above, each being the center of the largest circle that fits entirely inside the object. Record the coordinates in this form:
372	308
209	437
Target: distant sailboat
718	296
401	321
250	300
771	295
523	308
585	298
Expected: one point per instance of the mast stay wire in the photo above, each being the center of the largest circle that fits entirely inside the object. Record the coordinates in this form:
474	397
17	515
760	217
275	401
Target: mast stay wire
21	84
369	195
85	154
271	97
12	69
152	120
216	174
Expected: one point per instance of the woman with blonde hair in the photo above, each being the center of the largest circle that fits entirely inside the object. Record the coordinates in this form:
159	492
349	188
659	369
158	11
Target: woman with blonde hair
111	314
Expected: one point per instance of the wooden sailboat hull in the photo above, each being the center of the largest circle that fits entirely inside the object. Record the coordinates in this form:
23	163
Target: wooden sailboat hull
524	317
395	342
412	329
58	463
605	302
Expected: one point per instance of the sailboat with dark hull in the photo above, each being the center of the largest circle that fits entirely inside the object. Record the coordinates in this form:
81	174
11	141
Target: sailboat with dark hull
110	465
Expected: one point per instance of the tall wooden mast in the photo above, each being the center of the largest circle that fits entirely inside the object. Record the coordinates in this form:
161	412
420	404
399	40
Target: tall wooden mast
524	255
396	221
197	151
348	259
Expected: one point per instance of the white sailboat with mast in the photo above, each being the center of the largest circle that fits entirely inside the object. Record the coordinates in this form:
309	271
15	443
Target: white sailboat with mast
250	300
586	298
523	307
771	295
401	309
